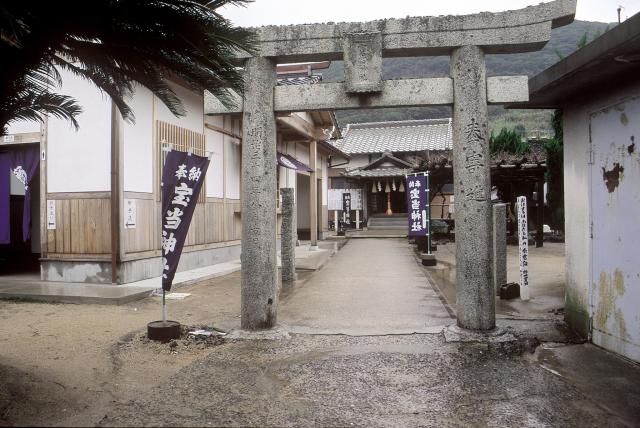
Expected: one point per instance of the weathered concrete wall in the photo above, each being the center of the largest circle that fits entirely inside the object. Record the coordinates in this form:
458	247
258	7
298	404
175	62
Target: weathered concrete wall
577	207
601	264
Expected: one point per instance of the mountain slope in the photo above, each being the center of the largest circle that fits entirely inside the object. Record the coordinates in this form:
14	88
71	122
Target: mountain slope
564	40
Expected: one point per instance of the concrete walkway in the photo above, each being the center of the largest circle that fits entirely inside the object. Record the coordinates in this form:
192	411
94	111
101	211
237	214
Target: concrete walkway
546	280
30	287
372	286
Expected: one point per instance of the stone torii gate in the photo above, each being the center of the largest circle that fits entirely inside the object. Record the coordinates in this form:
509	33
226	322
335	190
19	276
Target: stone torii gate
362	46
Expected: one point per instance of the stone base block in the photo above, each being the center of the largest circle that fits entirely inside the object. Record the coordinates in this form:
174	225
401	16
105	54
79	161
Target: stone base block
441	271
428	259
276	333
99	272
453	334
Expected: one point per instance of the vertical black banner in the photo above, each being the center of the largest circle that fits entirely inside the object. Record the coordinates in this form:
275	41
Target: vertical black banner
346	207
418	205
182	178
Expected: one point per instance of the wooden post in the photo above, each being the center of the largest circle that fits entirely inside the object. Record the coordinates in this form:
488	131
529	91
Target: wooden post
116	194
43	189
313	192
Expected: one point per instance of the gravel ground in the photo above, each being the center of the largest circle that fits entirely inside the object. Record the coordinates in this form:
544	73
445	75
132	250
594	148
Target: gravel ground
415	380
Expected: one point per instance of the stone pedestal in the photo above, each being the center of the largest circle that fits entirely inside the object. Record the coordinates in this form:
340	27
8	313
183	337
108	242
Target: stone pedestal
471	170
499	246
259	293
288	235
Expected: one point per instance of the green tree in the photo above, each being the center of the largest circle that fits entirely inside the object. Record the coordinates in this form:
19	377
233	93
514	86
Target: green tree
115	44
509	141
555	173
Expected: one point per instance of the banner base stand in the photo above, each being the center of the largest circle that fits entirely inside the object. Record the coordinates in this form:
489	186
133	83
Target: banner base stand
163	330
428	259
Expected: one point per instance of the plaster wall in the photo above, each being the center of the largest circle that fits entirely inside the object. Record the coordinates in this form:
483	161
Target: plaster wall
194	105
325	179
302	153
215	144
138	144
78	160
287	176
233	153
358	161
23	127
302	196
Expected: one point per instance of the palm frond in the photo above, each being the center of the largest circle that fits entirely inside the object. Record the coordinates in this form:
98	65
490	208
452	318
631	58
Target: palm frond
118	44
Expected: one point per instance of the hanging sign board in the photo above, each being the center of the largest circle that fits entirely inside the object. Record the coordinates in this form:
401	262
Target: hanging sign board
130	213
418	205
182	178
523	241
346	207
51	215
334	202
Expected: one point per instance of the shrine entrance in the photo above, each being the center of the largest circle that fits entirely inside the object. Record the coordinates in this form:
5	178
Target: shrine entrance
362	46
19	211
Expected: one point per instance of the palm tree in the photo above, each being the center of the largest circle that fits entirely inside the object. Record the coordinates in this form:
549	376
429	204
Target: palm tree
115	44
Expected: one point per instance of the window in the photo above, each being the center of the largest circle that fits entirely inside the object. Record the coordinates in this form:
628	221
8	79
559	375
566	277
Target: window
168	135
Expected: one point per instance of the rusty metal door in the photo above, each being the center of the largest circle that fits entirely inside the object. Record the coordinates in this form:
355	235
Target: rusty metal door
615	209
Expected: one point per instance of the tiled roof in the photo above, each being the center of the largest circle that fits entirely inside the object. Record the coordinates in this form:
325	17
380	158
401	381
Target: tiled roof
380	172
299	80
396	137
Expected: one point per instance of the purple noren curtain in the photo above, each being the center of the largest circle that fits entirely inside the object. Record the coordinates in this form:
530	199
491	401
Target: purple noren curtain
23	164
5	192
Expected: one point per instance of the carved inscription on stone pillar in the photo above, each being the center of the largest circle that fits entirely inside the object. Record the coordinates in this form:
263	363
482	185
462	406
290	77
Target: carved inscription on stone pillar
363	62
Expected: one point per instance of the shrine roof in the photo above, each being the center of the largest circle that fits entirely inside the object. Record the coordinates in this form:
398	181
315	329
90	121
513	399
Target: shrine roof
396	137
379	173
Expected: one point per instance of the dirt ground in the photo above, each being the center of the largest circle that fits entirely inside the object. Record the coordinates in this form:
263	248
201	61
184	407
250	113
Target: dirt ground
67	364
91	365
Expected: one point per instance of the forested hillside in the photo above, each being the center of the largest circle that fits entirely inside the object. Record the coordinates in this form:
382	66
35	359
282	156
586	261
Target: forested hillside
563	42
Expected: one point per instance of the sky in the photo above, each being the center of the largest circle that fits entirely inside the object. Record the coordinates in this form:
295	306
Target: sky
284	12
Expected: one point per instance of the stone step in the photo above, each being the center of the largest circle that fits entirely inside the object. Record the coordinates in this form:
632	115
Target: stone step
387	226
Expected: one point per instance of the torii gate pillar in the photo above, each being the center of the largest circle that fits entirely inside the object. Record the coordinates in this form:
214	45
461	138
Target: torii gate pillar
475	297
259	264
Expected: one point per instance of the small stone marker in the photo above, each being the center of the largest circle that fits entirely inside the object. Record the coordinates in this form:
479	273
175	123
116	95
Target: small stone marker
499	246
523	240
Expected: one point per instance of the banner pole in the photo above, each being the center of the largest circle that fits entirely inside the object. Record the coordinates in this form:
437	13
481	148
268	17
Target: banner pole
428	213
164	306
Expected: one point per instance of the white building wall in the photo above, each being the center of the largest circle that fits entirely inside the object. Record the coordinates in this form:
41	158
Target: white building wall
138	144
78	161
325	181
302	153
194	105
233	153
23	127
215	173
